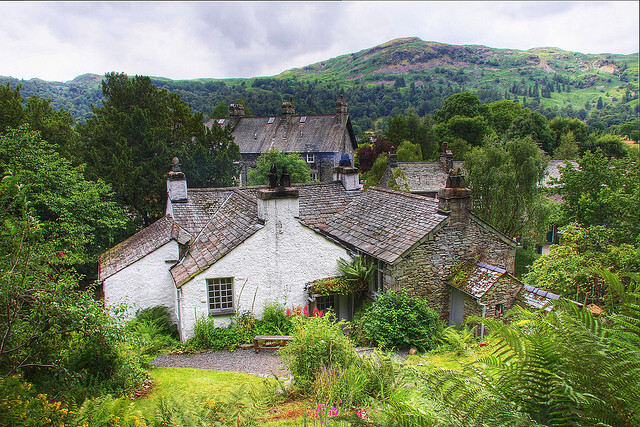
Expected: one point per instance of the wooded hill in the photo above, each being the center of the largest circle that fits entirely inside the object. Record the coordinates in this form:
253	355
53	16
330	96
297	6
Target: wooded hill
387	79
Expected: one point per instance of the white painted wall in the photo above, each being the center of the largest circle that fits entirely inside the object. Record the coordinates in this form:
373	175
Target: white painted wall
145	283
274	264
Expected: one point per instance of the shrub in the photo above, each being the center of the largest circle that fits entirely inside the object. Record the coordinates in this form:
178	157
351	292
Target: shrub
21	405
397	320
318	342
274	320
158	315
207	336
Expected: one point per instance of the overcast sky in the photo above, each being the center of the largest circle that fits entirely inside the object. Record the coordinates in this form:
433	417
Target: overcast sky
61	40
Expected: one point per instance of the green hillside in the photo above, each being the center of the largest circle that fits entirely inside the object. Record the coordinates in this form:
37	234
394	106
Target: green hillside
387	79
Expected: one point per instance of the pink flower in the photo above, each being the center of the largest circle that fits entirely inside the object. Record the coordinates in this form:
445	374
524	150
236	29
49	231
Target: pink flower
288	313
61	254
315	312
305	311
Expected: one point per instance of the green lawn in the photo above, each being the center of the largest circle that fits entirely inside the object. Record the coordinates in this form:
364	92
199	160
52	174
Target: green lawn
187	389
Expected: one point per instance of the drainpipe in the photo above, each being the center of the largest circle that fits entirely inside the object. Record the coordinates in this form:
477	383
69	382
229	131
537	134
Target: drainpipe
484	311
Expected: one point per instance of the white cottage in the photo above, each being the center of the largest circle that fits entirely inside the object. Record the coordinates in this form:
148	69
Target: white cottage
220	251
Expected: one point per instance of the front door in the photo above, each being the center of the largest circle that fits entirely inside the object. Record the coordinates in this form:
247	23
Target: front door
456	307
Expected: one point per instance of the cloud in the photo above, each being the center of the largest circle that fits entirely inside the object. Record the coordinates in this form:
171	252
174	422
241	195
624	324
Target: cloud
58	41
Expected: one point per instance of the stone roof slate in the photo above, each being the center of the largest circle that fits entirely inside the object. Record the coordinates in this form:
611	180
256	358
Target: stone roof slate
319	201
235	221
139	245
384	223
289	134
201	204
482	278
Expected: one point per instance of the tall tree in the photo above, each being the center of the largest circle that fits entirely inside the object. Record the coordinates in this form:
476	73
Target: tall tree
130	141
80	216
503	178
297	168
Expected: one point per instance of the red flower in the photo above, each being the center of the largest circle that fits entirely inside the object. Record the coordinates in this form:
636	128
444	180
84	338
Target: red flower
61	254
305	311
288	313
316	312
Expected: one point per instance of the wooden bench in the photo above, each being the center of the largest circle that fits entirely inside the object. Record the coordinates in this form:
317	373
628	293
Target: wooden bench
267	338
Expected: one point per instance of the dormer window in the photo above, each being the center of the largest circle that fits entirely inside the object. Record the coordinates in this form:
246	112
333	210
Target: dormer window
311	158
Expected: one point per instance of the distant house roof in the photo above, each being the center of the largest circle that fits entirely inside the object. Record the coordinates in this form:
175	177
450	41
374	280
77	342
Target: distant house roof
140	245
234	221
553	170
384	223
537	298
481	278
424	177
290	134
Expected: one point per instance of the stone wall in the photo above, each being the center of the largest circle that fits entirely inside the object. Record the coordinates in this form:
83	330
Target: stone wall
503	292
423	271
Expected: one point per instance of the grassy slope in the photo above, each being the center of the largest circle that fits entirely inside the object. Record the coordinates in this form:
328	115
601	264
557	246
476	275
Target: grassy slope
198	385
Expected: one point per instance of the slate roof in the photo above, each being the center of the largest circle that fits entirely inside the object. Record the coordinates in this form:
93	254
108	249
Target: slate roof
235	221
384	223
319	201
537	298
553	171
201	204
290	134
482	278
139	245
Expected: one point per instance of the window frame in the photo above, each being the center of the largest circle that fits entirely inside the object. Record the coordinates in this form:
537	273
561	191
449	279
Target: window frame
311	158
219	311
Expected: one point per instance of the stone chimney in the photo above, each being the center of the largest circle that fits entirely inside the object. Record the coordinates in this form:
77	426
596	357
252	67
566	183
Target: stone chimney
446	158
342	110
347	174
288	108
279	203
176	183
392	158
236	110
455	199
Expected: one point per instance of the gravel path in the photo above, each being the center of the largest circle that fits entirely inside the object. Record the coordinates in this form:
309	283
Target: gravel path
262	364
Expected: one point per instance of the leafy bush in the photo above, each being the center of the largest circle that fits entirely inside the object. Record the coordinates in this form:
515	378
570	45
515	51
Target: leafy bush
318	343
95	366
457	339
159	315
275	320
207	336
397	320
21	405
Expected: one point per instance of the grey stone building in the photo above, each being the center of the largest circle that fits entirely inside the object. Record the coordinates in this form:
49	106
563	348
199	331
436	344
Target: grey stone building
321	140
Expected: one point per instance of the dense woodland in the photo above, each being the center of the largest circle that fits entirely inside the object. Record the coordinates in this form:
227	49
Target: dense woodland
75	182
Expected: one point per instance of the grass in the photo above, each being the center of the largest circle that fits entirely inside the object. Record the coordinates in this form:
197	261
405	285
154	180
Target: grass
196	385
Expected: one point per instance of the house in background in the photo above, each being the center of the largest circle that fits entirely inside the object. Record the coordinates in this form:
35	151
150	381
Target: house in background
321	140
222	251
423	178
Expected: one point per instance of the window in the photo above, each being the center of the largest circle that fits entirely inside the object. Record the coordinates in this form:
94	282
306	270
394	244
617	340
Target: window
311	158
499	310
377	278
303	119
220	296
325	302
313	176
271	120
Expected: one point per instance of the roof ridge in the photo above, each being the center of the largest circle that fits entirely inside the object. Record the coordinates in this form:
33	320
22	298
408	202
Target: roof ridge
403	193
